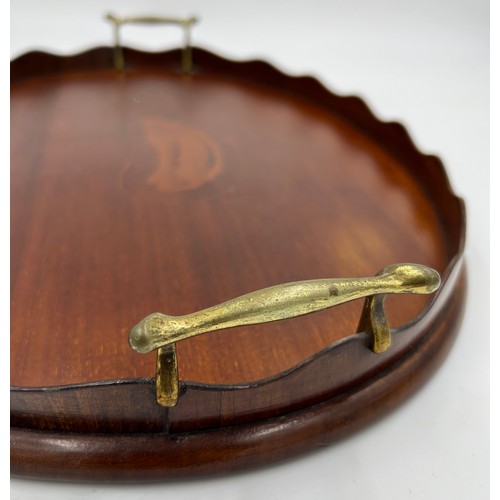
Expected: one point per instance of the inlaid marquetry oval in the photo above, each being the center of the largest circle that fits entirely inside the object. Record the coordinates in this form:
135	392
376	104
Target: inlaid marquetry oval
185	158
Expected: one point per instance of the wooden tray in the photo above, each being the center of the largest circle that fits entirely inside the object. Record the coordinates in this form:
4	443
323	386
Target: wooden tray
152	190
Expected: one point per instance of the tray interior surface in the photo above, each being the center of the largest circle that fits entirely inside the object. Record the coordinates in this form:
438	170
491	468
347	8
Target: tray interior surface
153	191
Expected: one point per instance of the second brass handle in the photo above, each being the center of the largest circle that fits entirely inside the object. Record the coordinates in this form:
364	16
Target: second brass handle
280	302
185	24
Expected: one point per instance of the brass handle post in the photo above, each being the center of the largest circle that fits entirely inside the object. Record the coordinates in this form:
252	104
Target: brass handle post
186	25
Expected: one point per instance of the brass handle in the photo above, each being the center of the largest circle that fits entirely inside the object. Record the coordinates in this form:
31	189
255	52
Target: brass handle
159	331
185	24
279	302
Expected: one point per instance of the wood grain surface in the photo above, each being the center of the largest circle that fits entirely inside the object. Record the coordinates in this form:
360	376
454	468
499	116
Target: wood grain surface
152	191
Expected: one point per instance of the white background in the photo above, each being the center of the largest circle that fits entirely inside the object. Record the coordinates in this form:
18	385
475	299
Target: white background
424	63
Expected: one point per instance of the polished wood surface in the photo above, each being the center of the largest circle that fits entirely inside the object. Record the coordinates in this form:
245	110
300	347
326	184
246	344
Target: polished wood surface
152	191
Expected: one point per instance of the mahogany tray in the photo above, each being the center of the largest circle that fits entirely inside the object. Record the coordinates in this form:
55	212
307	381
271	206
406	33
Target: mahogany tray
151	190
